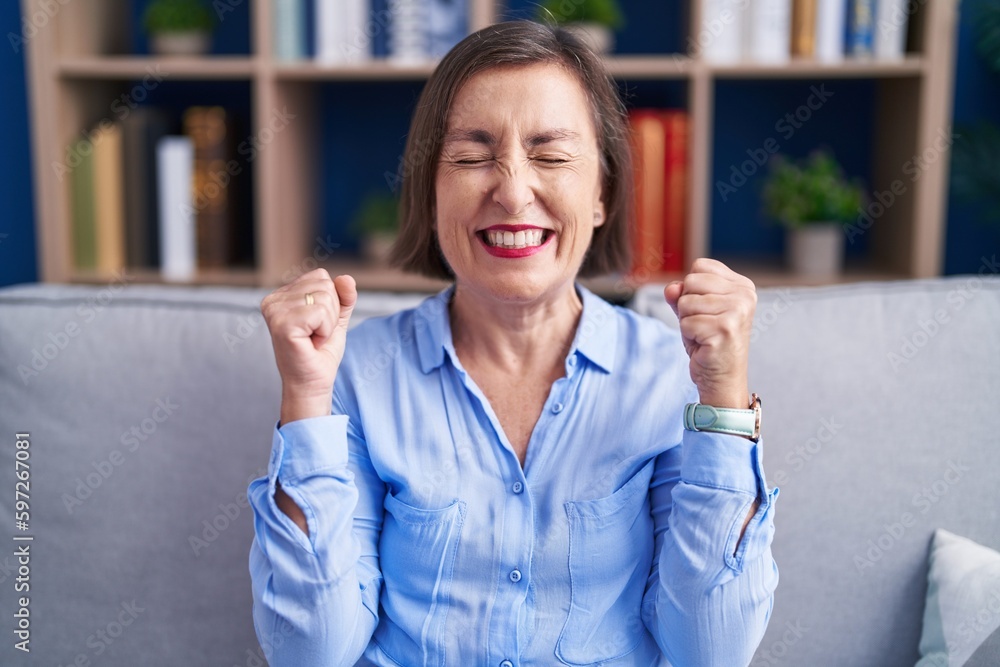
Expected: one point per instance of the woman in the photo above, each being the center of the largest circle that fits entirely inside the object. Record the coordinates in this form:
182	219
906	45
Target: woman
500	480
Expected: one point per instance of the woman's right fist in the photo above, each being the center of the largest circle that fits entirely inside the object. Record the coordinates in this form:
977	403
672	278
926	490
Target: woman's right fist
308	320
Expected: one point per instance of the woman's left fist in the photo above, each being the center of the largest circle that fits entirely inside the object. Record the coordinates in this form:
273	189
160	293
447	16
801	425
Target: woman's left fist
715	307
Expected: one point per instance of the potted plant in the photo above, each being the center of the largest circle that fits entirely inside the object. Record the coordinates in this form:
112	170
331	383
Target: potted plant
376	223
814	201
178	27
593	21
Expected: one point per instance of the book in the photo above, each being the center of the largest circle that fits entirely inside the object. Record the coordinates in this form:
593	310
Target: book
676	190
408	34
175	167
81	185
214	219
804	28
288	29
861	35
719	38
649	147
342	31
447	25
891	20
830	18
109	198
142	128
767	31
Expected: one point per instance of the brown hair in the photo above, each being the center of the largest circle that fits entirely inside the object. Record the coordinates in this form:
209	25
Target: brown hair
512	44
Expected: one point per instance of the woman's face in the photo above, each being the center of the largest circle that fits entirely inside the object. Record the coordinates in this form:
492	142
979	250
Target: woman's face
518	186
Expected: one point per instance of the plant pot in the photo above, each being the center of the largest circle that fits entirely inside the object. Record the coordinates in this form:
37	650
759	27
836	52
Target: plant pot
375	247
598	37
816	250
190	43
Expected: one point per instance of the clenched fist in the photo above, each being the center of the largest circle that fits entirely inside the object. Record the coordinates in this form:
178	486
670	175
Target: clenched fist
309	335
715	307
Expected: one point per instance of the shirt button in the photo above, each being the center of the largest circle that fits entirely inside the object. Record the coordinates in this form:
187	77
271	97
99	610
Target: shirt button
518	487
506	663
557	408
515	576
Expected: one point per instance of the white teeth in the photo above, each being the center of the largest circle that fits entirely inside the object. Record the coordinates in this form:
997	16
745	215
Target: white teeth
522	239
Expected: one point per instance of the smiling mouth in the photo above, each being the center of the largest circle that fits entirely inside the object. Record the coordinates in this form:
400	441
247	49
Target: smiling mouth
527	238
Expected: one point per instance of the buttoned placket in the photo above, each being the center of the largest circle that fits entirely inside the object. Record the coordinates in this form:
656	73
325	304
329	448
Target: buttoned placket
516	517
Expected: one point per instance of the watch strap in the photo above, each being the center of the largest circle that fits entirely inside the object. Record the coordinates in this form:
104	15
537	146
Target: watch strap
699	417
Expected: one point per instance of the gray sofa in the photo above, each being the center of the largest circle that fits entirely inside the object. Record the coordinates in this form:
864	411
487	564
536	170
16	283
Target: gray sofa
150	407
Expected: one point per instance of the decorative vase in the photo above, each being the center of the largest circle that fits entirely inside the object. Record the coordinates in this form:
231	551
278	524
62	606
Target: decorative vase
598	37
188	43
816	250
376	246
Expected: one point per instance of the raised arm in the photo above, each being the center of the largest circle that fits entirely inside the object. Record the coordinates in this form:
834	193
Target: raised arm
318	513
710	593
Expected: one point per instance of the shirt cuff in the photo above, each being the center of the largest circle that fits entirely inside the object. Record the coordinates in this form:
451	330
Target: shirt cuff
304	446
723	461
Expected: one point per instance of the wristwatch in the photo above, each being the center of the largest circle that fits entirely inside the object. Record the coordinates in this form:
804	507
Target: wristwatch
698	417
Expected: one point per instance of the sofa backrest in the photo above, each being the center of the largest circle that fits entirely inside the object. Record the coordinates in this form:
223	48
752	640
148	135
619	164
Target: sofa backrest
881	423
149	409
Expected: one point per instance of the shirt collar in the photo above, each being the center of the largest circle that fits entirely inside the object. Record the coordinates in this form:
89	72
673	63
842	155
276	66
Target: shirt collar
596	334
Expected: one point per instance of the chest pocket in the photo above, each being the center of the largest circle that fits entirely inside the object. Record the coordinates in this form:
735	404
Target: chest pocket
417	555
610	553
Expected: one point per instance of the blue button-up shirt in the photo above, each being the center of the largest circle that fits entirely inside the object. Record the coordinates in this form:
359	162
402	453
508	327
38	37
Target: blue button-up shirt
617	544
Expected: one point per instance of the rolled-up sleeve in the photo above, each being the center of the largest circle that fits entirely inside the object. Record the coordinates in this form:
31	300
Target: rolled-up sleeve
316	595
710	594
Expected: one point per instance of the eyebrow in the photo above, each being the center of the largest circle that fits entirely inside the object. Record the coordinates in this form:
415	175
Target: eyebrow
487	138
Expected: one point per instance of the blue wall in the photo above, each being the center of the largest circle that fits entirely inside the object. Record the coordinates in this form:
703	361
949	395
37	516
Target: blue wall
366	138
17	211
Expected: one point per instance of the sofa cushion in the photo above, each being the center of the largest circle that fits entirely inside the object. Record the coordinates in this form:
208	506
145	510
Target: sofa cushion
962	616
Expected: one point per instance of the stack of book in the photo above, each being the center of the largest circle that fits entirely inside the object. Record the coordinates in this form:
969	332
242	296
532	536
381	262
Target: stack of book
337	32
773	31
145	198
660	152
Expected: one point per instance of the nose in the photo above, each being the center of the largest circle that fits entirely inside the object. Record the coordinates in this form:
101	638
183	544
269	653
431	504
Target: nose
514	189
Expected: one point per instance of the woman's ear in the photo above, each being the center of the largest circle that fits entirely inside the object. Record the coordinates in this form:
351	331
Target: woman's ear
599	213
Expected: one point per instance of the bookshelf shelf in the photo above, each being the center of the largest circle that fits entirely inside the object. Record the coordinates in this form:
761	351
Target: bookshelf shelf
378	71
73	82
910	66
674	66
131	67
231	277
